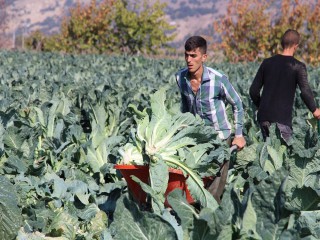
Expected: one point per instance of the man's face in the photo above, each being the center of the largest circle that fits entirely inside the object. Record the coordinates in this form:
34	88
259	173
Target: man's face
194	59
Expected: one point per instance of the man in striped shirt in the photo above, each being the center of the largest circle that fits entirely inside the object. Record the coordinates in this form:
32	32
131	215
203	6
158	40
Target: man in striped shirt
205	91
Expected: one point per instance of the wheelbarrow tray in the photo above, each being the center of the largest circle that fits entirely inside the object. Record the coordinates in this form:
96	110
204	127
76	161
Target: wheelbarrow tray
176	180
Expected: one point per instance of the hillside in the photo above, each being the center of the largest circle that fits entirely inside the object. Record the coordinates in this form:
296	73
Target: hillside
189	16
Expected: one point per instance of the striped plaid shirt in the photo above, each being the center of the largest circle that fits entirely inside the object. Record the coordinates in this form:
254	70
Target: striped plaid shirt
210	100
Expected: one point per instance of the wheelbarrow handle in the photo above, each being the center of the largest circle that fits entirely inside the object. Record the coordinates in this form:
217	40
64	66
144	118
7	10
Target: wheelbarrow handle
216	186
233	148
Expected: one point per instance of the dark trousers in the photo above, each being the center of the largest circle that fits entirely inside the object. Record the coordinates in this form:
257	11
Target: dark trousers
285	131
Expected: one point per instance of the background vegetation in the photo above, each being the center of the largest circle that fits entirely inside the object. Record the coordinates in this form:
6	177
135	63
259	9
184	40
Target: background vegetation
251	30
112	26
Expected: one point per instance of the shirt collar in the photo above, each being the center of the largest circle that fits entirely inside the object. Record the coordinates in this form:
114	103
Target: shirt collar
205	74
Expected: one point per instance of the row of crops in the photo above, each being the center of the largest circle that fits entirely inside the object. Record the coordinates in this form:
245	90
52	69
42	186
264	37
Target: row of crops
65	121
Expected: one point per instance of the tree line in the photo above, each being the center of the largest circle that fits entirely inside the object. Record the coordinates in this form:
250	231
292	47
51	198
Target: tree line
249	31
111	26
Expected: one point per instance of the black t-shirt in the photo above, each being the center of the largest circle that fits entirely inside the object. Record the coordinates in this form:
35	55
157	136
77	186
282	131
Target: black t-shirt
278	77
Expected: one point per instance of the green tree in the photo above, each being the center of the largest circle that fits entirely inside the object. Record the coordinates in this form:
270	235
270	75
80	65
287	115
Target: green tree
86	30
311	52
292	14
243	30
113	26
141	27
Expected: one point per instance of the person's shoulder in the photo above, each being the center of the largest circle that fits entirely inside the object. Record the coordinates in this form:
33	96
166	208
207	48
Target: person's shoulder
215	72
271	59
274	60
299	62
279	57
182	70
299	66
180	74
217	75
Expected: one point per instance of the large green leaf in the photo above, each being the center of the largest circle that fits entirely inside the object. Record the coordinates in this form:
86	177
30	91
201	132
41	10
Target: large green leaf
304	171
64	225
185	211
159	176
276	156
11	218
130	223
12	139
247	155
308	223
302	199
249	220
170	218
268	203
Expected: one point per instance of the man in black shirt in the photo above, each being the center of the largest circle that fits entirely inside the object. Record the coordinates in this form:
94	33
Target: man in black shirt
279	76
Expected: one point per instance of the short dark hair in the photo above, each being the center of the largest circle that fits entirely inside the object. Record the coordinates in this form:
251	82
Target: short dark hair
290	38
196	42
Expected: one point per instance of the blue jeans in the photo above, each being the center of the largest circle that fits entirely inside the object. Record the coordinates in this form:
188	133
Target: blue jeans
285	131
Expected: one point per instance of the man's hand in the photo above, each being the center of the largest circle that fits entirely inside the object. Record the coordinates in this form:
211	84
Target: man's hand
316	113
239	141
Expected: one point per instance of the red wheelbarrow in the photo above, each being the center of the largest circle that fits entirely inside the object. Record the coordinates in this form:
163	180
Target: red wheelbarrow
176	180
